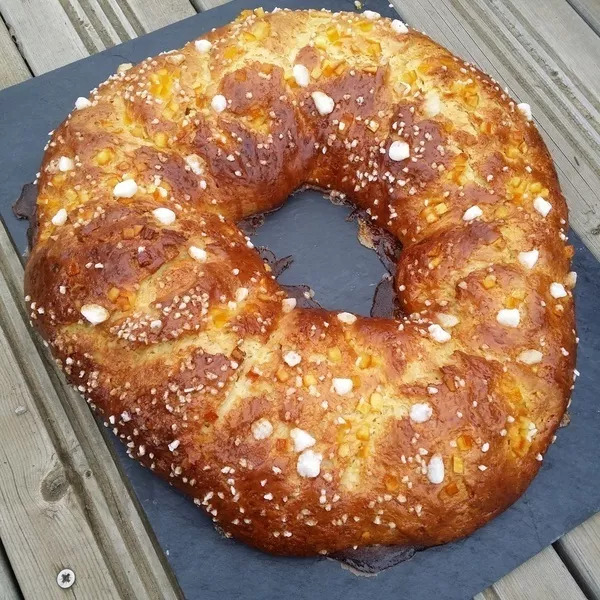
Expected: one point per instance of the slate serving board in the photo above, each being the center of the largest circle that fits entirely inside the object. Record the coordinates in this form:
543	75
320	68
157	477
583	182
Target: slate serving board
343	274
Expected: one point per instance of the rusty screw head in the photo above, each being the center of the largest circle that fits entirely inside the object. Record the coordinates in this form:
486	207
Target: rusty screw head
65	578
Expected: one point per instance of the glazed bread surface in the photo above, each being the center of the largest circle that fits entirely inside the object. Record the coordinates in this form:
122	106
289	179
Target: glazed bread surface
304	431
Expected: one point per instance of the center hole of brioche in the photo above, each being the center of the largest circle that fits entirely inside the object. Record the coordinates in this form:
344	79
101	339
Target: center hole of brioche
326	253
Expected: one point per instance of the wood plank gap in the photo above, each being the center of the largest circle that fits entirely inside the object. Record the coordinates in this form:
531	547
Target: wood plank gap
150	15
580	549
591	20
542	577
530	32
58	32
541	99
128	13
444	18
14	67
104	27
202	5
78	24
574	571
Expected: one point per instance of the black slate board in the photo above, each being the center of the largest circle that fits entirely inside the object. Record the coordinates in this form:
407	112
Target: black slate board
344	275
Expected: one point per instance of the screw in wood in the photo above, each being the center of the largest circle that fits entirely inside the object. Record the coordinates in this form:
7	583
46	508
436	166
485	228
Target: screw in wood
65	578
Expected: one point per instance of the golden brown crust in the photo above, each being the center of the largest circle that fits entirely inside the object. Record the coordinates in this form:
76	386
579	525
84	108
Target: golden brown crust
304	431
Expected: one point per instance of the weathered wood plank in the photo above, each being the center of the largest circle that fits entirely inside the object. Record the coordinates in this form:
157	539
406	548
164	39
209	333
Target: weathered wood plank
152	15
63	500
589	10
53	33
201	5
45	34
565	34
562	34
8	586
36	501
561	39
12	66
491	34
543	577
580	551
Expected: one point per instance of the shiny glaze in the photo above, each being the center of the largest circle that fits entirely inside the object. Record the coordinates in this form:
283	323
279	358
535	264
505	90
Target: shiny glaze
196	353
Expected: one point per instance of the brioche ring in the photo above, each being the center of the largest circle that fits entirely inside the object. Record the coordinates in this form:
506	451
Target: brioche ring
304	431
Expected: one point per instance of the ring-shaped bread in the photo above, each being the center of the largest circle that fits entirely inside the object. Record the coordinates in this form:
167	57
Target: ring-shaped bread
304	431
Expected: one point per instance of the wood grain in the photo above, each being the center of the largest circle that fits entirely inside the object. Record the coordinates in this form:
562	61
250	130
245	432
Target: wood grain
497	37
556	35
52	33
37	502
543	577
148	15
63	501
202	5
589	10
12	66
580	551
8	586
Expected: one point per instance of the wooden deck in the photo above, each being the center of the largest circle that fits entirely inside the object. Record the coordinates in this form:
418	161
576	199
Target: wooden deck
63	500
